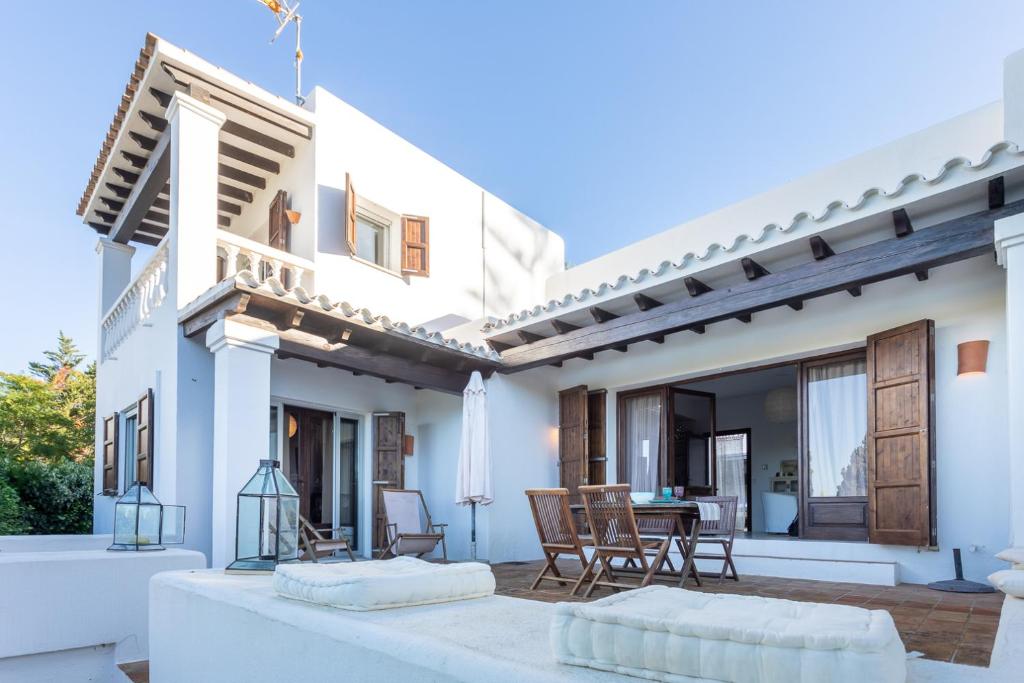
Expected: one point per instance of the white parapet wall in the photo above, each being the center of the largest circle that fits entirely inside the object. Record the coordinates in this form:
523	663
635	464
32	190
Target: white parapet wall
71	610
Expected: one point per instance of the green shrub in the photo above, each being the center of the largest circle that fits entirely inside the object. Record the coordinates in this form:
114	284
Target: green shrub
55	497
12	520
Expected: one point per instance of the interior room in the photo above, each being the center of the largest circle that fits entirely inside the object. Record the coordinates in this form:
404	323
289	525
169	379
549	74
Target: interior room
753	416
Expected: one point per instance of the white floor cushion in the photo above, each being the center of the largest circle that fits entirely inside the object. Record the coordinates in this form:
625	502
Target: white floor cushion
669	634
383	584
1010	581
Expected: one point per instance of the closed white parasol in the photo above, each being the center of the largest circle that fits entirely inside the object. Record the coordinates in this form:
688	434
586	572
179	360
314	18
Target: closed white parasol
473	479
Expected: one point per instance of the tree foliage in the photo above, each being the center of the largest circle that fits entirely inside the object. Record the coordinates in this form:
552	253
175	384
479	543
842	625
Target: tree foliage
47	419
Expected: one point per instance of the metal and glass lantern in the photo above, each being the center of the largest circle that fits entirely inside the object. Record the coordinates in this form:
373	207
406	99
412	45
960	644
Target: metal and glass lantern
267	531
141	522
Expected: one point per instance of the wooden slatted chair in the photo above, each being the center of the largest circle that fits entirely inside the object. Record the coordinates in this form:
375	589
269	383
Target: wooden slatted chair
315	545
410	531
719	532
558	535
615	535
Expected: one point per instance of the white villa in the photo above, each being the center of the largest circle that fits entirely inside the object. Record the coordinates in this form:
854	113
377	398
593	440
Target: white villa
843	353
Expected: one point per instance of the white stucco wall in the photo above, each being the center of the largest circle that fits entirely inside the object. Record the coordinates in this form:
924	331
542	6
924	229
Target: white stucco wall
966	301
484	255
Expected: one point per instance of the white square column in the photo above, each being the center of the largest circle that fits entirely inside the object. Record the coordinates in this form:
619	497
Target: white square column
194	129
115	262
241	419
1009	239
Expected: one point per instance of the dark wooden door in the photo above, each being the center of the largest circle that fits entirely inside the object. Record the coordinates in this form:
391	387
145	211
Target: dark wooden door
901	440
388	467
692	445
573	440
310	465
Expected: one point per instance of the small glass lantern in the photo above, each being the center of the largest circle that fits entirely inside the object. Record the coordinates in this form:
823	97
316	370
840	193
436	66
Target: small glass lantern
267	529
141	522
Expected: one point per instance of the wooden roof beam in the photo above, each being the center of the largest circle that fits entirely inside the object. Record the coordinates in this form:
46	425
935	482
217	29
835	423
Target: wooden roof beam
821	251
528	337
156	123
561	327
752	269
996	192
695	287
600	315
953	240
244	177
644	302
247	157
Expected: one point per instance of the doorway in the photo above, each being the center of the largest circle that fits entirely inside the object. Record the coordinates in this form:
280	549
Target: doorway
309	462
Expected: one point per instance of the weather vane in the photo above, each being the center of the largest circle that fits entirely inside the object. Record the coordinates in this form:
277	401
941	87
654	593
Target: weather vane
285	13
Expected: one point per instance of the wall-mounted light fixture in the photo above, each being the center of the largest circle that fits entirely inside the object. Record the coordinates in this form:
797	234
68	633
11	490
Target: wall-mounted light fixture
972	357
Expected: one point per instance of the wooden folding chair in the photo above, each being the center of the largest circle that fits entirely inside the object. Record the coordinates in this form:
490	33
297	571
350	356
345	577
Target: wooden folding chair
719	532
410	531
615	535
314	544
556	530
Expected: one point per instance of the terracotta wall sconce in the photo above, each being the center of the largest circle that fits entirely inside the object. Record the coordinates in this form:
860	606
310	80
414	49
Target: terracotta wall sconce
972	357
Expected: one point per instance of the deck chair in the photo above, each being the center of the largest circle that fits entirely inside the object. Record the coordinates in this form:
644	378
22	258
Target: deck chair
615	535
314	544
719	532
410	531
557	532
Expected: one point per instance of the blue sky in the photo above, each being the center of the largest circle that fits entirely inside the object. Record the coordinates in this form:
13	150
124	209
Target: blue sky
606	121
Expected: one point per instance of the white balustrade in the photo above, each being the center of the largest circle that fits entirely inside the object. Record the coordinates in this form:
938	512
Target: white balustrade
264	262
136	304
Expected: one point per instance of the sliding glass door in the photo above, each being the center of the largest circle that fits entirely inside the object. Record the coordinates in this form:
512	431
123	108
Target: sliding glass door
732	455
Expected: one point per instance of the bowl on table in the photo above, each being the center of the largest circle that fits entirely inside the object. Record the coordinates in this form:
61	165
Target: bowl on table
641	497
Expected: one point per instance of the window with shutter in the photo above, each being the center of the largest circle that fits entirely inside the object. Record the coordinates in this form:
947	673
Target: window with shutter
350	215
110	450
901	441
573	438
144	439
416	245
280	226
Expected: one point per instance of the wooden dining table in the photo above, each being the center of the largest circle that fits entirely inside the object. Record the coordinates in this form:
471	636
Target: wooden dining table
686	528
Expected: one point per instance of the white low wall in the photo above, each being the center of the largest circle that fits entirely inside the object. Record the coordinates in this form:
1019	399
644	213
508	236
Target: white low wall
70	615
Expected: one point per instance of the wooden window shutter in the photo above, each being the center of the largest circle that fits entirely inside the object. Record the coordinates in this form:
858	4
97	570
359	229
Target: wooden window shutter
388	467
110	450
901	440
573	440
280	226
144	439
350	215
416	245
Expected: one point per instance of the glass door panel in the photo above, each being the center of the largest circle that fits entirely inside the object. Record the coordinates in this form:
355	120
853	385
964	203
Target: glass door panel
641	423
348	491
732	451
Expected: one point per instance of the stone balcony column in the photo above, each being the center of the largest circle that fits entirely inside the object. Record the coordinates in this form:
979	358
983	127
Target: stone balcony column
194	127
1009	239
241	409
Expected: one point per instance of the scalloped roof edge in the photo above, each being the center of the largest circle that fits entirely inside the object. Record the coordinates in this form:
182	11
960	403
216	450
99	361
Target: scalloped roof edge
299	295
606	288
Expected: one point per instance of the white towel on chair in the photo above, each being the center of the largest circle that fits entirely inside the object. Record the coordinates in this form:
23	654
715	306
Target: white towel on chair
709	512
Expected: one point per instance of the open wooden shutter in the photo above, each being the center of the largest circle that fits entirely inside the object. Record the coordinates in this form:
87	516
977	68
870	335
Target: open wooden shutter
280	226
110	451
144	439
388	467
901	442
597	456
416	245
573	440
350	215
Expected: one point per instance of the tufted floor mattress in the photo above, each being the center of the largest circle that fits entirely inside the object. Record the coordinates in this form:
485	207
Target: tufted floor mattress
669	634
383	584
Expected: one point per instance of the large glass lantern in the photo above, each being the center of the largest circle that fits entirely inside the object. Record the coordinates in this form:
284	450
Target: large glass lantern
141	522
267	531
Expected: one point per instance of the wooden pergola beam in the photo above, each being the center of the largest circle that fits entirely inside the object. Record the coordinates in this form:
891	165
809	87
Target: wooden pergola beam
695	287
528	337
644	302
600	315
953	240
561	327
752	269
148	185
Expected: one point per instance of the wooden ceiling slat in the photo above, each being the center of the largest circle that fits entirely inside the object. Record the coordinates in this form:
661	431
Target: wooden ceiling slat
238	175
258	138
247	157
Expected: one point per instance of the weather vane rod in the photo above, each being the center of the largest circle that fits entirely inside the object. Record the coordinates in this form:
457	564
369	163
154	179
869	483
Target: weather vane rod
286	13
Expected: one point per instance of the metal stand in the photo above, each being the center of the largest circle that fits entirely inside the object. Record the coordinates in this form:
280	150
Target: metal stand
472	532
959	584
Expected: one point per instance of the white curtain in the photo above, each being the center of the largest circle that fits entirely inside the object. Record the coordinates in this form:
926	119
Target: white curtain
836	428
643	440
732	455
